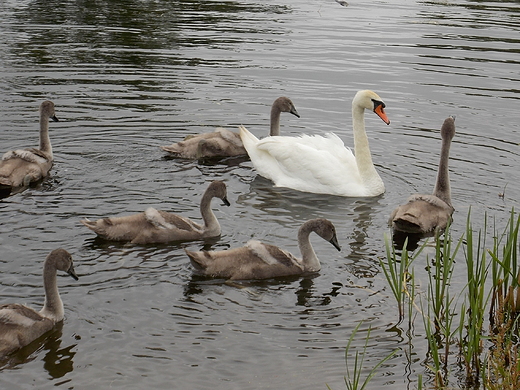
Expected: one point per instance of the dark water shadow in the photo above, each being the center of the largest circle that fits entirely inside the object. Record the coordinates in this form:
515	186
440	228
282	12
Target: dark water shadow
159	25
57	361
411	240
115	254
305	292
263	195
211	161
45	184
112	246
5	191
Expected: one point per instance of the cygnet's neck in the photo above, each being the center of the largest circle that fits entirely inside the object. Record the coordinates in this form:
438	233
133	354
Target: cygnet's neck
45	142
210	220
275	120
310	261
442	188
53	306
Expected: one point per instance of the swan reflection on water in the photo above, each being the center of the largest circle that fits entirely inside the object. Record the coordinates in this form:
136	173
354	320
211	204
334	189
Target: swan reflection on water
411	240
305	292
58	361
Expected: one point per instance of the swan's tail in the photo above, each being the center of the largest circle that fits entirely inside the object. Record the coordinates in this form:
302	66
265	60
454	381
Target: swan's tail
248	139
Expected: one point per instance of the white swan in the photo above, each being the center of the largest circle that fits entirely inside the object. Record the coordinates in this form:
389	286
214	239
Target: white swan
23	166
321	164
257	260
155	226
424	214
19	324
225	143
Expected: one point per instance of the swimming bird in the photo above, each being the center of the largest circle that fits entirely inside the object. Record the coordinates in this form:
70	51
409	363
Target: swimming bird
223	142
257	260
19	324
155	226
19	168
321	164
424	214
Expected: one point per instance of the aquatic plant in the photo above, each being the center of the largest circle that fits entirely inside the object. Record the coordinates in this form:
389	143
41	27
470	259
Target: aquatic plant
397	273
353	377
502	369
475	301
440	311
505	303
488	360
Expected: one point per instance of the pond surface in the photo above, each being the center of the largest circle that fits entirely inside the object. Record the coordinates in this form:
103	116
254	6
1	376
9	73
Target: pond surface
127	77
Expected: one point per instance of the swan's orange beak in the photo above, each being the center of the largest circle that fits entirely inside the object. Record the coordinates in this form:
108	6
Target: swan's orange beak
380	111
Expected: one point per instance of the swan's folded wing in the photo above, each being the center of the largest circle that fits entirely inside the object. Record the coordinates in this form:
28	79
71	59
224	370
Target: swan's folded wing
183	223
229	136
19	315
329	142
153	216
422	214
29	155
169	221
273	255
307	162
431	199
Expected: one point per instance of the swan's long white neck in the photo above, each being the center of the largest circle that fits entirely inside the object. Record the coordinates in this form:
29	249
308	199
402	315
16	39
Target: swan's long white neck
45	141
310	261
53	306
361	148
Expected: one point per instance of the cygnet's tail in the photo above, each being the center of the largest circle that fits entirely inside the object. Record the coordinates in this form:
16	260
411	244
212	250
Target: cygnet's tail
198	260
173	148
96	226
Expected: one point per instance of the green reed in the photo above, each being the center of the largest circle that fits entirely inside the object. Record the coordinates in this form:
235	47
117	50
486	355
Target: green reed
397	273
490	360
503	363
440	272
433	349
441	311
471	338
353	377
502	368
505	271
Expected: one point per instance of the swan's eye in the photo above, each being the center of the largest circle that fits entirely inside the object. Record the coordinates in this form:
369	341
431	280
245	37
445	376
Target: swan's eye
378	103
